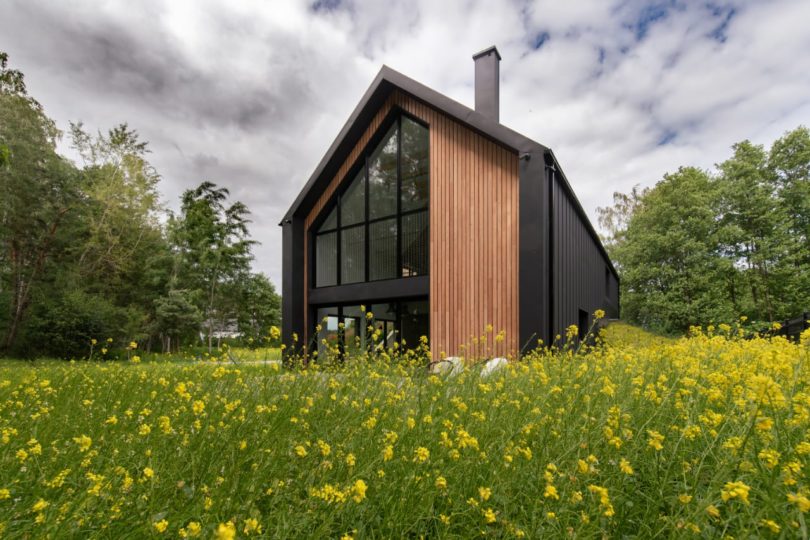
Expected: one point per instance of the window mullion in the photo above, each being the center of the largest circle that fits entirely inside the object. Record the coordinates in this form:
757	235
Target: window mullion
399	197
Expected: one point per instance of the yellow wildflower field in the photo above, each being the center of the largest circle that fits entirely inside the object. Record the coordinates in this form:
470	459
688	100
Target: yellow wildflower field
703	436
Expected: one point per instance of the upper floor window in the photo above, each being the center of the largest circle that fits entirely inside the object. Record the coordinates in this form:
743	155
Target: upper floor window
378	226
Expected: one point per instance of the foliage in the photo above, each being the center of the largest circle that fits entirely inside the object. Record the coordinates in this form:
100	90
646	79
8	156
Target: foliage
88	251
213	244
701	247
642	436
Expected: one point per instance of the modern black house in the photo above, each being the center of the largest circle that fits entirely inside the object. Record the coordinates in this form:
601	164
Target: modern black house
441	222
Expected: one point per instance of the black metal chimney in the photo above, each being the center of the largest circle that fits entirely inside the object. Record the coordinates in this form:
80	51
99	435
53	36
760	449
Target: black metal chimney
487	78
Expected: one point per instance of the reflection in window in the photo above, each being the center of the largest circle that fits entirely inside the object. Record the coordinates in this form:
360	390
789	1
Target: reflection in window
353	254
350	331
415	145
353	202
328	336
382	177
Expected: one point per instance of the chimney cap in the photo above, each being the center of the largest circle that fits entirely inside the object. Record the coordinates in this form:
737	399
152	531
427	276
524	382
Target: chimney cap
486	51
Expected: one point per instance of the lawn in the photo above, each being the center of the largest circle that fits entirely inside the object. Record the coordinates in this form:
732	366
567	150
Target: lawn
702	436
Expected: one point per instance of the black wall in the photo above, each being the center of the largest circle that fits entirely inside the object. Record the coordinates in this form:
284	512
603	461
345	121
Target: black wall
582	277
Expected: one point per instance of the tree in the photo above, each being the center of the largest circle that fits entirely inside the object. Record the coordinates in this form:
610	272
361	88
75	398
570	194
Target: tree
259	307
38	190
214	250
176	317
672	274
754	235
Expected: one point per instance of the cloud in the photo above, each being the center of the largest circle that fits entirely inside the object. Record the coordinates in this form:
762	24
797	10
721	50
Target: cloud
251	94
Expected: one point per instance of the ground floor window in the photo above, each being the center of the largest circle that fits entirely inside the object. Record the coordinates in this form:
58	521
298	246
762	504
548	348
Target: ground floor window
348	330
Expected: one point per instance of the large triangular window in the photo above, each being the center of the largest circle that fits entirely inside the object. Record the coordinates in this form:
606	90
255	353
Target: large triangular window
377	227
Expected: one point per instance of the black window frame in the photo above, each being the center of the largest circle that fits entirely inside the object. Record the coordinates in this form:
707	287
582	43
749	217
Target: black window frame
395	116
314	340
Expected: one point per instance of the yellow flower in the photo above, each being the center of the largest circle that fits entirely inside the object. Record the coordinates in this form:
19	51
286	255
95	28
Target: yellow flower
192	530
625	467
655	440
684	498
359	491
799	500
40	505
300	451
83	442
388	453
421	454
444	519
226	531
133	345
4	494
350	460
770	524
484	493
148	472
489	516
713	511
551	492
441	482
735	490
324	448
599	314
198	407
160	526
252	526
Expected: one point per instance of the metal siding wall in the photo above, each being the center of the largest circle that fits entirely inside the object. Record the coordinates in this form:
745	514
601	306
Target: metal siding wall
473	231
579	267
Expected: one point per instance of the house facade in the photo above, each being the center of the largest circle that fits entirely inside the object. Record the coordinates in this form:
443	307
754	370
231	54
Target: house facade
441	222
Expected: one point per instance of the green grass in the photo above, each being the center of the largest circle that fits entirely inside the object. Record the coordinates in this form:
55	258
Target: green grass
382	449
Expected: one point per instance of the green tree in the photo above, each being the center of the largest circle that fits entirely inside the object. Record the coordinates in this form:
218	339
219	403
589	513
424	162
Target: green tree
672	273
754	235
176	318
38	191
214	251
259	307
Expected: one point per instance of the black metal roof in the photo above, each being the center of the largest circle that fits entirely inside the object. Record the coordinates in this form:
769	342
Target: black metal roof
388	80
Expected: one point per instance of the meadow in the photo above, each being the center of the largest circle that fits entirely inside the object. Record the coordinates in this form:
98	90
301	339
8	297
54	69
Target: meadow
641	436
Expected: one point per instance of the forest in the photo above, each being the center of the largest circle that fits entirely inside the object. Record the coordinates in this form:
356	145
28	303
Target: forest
703	247
92	260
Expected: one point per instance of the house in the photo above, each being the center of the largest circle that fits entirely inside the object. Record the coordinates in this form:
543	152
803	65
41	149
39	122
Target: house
441	222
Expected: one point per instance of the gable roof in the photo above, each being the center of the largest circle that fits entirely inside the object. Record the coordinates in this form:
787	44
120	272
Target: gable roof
386	81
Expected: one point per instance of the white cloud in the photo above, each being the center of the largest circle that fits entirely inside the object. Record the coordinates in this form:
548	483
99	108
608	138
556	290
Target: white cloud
251	94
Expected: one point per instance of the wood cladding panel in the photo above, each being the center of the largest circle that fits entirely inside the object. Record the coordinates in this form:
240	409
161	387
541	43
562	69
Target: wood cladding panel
473	233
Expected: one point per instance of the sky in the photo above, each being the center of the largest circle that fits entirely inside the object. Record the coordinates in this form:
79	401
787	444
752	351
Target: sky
250	95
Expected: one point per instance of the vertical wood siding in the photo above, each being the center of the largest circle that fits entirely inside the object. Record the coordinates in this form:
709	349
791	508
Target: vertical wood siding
473	232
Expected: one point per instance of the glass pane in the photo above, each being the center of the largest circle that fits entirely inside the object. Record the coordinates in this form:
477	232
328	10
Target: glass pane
328	335
385	317
415	322
382	250
415	165
382	177
354	334
353	254
415	244
353	202
326	259
330	222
